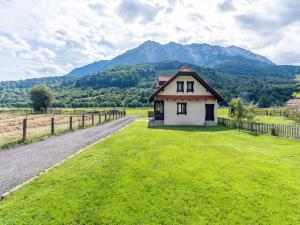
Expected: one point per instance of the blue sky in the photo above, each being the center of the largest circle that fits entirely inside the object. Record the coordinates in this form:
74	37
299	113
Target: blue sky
47	38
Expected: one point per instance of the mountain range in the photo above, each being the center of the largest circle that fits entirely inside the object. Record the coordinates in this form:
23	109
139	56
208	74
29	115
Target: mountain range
232	59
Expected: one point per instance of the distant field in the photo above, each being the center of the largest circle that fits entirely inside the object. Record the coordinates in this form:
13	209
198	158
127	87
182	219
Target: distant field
223	112
39	124
170	175
11	126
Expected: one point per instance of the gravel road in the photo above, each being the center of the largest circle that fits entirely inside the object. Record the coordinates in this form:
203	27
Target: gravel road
26	161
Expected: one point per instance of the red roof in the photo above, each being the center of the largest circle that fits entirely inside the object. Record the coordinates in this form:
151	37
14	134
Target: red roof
164	78
185	71
185	97
294	102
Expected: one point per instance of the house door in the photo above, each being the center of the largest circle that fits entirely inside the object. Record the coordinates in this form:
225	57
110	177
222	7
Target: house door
210	112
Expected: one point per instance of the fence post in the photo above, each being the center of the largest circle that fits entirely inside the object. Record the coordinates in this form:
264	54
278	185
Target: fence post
24	129
93	119
99	118
71	122
105	117
52	125
83	120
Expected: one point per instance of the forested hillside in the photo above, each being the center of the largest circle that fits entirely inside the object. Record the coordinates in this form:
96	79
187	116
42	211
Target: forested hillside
130	86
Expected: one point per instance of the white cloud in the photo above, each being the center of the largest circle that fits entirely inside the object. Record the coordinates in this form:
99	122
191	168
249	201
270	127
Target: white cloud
39	38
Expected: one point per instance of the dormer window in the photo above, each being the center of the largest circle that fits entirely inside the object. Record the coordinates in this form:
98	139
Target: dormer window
190	86
180	87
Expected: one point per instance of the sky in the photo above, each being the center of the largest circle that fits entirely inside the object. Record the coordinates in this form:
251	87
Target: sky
49	38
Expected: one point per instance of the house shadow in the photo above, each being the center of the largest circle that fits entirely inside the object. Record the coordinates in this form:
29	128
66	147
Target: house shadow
218	128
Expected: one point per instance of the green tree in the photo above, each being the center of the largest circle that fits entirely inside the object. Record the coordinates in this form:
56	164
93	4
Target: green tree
264	101
40	97
250	112
236	109
297	94
239	112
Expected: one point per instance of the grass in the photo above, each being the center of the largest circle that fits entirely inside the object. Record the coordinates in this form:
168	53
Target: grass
223	112
171	175
274	120
142	112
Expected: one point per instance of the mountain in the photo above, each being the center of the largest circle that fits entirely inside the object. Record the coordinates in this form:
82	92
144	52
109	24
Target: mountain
89	69
203	55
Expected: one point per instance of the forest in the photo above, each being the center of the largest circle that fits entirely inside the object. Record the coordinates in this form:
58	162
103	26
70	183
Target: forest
131	85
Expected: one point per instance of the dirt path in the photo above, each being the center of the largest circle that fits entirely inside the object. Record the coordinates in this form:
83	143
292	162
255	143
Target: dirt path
24	162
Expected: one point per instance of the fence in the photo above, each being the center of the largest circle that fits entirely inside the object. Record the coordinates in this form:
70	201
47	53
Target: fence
263	128
26	111
94	118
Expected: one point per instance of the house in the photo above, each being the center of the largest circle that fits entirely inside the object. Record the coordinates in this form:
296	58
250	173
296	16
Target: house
184	99
294	103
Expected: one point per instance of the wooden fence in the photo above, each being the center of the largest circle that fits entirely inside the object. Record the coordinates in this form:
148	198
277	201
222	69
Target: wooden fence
292	131
96	119
68	111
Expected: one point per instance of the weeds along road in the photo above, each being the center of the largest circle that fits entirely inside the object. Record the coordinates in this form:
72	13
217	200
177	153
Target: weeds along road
26	161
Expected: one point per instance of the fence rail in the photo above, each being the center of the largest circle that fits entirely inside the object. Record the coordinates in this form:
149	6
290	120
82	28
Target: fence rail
16	129
108	116
292	131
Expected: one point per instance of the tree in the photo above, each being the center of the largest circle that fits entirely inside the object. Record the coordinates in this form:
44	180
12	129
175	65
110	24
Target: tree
41	97
239	112
264	101
297	94
236	109
250	112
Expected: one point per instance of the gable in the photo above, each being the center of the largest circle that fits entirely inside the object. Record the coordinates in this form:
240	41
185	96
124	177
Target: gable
171	89
203	88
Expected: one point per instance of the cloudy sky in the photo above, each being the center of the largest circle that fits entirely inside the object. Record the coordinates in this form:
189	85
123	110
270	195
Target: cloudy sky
46	38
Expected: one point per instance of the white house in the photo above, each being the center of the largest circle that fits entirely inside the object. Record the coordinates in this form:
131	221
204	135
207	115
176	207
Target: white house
184	99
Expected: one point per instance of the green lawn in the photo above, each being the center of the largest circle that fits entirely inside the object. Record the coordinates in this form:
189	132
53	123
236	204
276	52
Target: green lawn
142	112
184	175
274	120
223	112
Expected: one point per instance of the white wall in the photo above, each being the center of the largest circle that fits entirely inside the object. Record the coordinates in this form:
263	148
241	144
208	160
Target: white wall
195	113
171	89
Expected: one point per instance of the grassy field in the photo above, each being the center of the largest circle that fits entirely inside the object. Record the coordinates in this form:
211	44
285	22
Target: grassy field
11	124
274	120
223	112
38	126
170	175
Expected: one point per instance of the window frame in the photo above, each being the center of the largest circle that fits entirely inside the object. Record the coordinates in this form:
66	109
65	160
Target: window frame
180	82
187	86
182	112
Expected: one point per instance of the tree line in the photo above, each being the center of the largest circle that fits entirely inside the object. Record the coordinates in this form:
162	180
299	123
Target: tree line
130	86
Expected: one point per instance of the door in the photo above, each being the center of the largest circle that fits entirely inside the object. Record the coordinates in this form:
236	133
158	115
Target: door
210	112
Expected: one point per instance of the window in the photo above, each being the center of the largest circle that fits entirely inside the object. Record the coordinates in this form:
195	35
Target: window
180	86
190	86
181	108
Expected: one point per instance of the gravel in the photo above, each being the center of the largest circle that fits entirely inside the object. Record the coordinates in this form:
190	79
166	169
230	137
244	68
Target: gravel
26	161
